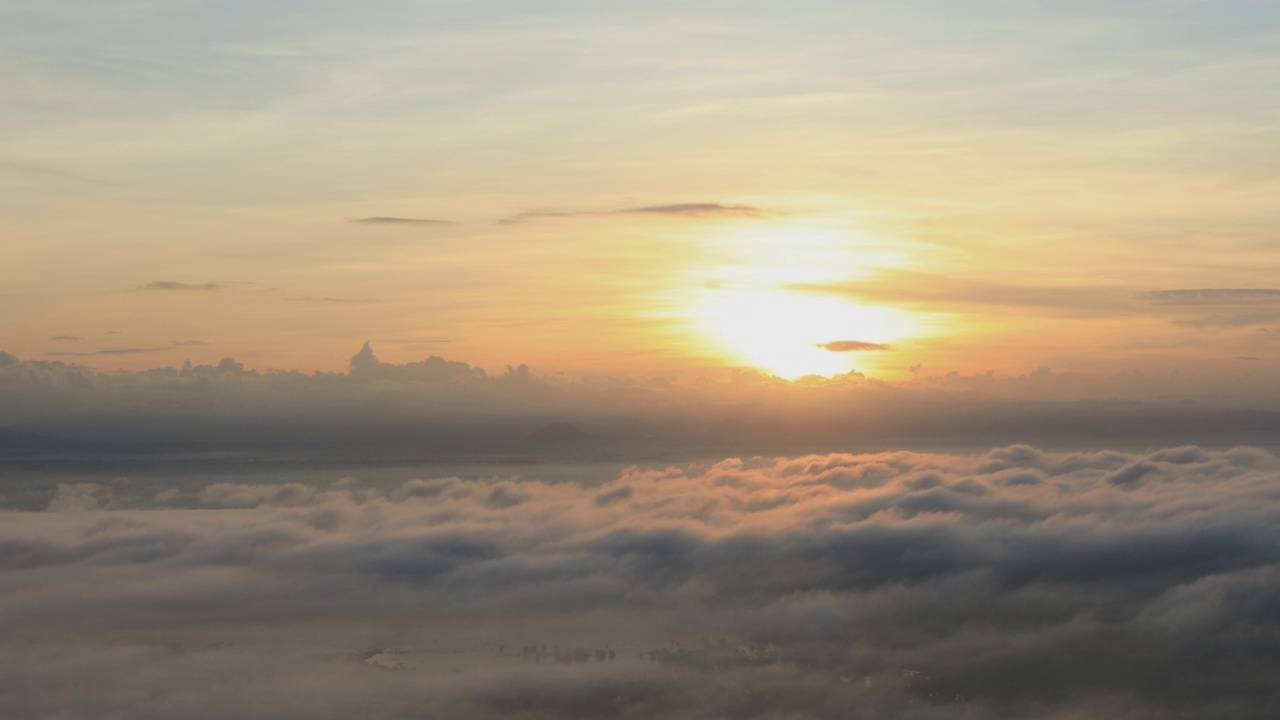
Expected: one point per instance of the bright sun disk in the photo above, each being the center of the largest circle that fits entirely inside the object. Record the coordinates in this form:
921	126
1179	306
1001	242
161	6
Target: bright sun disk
782	332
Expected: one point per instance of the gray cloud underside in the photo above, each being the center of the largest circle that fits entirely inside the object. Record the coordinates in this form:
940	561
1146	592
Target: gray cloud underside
170	285
683	209
400	221
1010	584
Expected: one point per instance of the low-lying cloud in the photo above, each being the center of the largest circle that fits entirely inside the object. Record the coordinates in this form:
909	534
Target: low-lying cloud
1007	584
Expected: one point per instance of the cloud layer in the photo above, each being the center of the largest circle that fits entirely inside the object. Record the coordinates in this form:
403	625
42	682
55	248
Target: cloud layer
437	407
1008	584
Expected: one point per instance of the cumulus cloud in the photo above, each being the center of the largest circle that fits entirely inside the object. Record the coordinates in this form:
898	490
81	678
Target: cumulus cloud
366	366
1007	584
80	496
229	495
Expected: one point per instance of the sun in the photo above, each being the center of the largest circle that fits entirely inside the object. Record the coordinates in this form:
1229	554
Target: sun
768	298
784	332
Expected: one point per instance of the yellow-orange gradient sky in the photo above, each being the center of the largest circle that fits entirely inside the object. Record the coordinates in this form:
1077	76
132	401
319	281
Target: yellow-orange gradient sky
798	188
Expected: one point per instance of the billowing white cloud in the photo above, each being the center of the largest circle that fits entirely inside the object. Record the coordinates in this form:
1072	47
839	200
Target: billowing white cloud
1006	584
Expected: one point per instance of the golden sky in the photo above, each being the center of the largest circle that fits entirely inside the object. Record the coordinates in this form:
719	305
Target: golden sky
805	187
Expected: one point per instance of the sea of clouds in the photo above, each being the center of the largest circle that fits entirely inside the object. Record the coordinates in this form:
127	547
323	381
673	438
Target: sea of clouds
1013	583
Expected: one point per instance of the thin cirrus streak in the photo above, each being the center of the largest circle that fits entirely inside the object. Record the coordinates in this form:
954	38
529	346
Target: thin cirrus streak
404	221
685	209
900	584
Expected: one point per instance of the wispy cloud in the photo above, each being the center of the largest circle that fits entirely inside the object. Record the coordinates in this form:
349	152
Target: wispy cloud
386	220
47	172
1253	305
1233	320
338	300
932	291
114	351
851	346
697	209
171	285
66	338
133	350
694	209
1213	296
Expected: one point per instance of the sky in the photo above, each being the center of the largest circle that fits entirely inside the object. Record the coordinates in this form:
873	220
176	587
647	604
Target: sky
680	188
563	360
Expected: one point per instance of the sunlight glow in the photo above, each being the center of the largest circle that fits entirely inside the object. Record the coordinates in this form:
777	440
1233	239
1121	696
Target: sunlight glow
783	332
748	310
